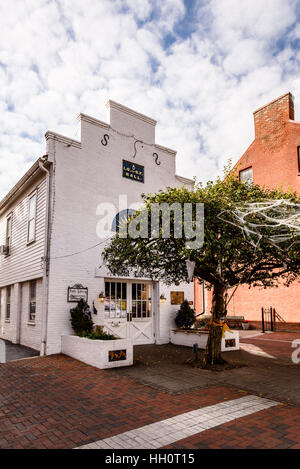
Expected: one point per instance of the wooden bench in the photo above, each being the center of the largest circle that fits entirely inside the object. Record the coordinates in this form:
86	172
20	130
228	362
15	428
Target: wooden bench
235	321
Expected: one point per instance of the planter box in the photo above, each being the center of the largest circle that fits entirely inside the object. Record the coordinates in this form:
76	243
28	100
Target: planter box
99	353
230	342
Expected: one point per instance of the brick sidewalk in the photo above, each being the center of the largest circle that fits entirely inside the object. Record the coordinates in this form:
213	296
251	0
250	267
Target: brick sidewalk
276	428
58	402
277	344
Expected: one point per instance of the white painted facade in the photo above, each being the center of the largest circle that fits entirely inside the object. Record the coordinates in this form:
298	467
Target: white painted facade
71	182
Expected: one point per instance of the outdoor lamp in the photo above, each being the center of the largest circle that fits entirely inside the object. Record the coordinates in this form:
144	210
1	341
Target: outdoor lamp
101	297
162	299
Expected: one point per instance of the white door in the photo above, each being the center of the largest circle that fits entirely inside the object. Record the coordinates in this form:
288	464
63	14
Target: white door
128	310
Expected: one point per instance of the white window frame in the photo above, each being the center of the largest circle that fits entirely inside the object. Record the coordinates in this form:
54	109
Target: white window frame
30	320
248	180
7	318
33	219
7	234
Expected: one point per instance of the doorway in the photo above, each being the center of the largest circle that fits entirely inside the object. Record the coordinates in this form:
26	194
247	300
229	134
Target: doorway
128	310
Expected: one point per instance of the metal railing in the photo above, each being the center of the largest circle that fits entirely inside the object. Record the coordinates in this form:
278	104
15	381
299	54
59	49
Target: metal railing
268	319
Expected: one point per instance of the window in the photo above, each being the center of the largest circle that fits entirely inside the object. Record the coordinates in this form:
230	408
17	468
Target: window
31	218
8	300
8	231
246	175
141	302
122	217
298	149
32	300
115	305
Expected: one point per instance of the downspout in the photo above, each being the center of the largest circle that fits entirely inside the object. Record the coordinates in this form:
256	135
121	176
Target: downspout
196	285
203	298
45	261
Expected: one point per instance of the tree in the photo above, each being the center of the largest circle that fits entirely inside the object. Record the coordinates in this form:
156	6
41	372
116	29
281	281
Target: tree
81	319
186	316
229	256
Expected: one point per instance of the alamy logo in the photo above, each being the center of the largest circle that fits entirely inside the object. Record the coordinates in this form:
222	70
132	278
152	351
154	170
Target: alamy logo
2	351
157	220
296	353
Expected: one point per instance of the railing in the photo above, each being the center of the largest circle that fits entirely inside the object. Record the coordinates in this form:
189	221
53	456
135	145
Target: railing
277	316
268	319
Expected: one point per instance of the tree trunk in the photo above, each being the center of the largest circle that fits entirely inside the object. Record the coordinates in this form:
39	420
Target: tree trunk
213	348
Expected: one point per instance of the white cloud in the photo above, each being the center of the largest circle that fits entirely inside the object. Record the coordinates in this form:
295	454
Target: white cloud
62	57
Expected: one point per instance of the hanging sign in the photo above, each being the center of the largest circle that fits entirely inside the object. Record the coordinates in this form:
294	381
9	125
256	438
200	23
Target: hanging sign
133	171
76	293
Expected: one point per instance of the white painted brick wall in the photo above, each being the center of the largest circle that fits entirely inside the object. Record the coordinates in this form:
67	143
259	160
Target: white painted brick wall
85	177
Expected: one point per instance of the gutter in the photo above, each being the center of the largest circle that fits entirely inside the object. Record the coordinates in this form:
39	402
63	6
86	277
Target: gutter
14	191
44	326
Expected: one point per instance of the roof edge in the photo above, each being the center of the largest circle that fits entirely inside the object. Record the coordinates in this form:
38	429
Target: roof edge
18	186
274	101
184	180
120	107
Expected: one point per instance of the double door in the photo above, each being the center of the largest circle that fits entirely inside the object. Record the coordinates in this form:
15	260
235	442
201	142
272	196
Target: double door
128	310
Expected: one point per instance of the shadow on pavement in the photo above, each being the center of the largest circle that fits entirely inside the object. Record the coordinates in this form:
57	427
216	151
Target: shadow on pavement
16	352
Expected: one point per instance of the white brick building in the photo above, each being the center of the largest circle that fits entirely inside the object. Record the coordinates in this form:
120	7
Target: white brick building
48	224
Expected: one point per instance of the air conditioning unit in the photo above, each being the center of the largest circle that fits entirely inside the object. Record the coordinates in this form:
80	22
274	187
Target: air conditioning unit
4	249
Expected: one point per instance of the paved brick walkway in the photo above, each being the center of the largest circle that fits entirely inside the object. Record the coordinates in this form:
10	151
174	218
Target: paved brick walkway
164	432
276	428
57	402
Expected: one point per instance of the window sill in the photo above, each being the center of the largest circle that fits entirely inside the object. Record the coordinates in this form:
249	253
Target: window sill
7	321
30	242
31	323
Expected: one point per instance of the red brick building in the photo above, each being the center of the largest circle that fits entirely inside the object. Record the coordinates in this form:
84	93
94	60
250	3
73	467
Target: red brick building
272	160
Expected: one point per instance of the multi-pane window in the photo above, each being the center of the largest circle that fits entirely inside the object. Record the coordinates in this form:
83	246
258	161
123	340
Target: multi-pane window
31	218
32	300
141	306
115	305
246	175
8	302
8	231
122	218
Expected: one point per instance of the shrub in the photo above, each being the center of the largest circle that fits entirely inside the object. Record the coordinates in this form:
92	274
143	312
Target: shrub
202	323
81	318
98	334
186	316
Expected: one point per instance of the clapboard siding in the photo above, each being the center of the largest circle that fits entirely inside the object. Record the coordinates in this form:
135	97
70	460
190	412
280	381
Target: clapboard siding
25	260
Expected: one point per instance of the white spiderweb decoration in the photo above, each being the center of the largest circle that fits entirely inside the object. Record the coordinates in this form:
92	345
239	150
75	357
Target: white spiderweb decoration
278	221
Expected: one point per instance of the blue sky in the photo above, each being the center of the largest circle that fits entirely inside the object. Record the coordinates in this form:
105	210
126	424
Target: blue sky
200	68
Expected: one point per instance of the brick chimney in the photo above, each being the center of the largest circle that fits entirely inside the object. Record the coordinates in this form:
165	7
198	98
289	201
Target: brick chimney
271	120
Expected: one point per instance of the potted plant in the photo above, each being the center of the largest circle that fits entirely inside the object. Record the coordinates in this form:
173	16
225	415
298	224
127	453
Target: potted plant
185	316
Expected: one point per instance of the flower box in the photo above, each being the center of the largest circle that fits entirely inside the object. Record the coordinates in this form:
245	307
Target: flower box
98	353
230	342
